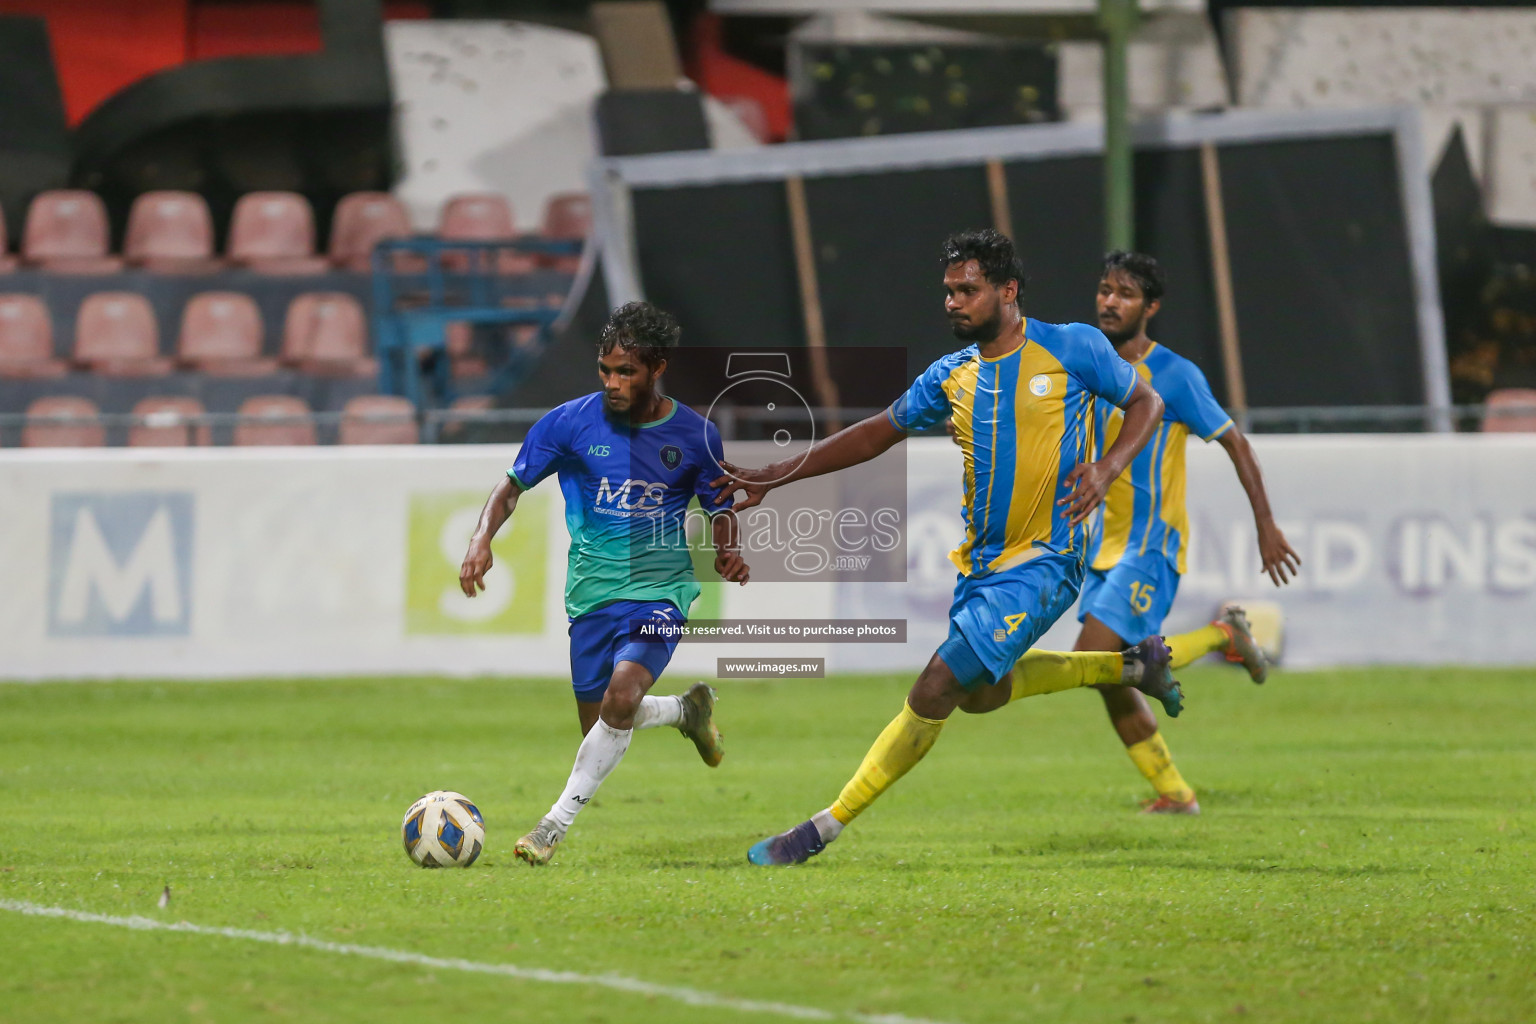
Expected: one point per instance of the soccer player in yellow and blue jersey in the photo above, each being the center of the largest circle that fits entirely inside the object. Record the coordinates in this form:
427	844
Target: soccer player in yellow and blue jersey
1139	551
1022	396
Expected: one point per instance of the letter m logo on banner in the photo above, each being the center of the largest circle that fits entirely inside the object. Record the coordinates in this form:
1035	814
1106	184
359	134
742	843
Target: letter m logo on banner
120	564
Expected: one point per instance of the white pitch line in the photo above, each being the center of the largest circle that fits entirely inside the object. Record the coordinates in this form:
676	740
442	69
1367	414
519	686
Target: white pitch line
690	996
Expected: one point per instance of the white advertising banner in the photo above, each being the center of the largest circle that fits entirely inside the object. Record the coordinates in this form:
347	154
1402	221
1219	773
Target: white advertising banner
1416	549
245	562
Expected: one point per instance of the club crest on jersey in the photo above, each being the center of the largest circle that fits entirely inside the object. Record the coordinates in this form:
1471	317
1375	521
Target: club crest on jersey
1040	385
671	456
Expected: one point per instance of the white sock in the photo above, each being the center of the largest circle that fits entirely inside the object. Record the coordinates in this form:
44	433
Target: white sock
827	826
654	711
599	754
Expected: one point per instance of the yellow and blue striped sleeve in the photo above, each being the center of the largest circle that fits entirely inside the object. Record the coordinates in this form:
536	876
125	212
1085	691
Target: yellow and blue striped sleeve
1093	360
925	404
1189	401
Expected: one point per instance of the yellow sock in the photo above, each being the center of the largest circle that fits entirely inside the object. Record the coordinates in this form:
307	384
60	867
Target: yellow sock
900	746
1053	671
1153	760
1187	648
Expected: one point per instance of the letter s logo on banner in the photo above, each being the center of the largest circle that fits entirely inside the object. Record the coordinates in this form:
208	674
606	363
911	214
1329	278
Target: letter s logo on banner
513	599
120	564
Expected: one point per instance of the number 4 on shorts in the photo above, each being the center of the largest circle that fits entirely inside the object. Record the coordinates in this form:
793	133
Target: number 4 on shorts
1015	621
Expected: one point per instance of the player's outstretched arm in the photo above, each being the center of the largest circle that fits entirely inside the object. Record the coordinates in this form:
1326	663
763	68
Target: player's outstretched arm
1280	561
861	442
725	534
477	561
1090	480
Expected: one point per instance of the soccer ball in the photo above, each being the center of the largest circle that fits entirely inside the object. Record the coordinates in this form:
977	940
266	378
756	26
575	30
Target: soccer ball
443	830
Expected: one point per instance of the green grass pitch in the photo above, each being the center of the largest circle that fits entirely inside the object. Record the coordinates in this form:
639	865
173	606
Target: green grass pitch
1365	855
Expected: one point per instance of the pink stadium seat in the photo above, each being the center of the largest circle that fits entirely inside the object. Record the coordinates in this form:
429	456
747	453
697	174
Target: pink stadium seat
221	335
172	232
63	422
362	220
166	423
378	419
479	216
67	232
459	340
274	233
326	333
287	421
482	217
116	335
473	403
26	339
1510	411
569	217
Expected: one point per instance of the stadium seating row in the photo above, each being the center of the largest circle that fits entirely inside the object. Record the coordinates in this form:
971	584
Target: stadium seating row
180	421
221	334
270	232
167	422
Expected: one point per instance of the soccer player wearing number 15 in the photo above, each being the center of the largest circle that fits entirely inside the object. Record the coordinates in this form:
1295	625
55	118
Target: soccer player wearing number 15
1138	553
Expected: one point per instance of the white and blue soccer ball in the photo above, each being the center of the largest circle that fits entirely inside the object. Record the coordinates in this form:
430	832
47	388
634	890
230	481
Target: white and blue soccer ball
443	830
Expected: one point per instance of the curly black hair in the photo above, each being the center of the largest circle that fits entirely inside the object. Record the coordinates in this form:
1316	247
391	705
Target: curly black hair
643	329
1139	267
993	252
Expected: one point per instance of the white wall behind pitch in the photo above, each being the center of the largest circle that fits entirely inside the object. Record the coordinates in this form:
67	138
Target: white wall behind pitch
502	106
1173	62
1459	66
496	106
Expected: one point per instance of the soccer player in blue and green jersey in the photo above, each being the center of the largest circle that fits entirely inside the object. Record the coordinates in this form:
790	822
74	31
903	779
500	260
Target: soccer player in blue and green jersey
1138	553
629	460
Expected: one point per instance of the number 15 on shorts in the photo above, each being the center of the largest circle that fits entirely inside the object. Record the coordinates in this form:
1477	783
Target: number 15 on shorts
1141	597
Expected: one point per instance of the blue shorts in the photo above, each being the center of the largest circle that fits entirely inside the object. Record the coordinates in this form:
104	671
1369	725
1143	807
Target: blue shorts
1133	598
605	636
995	619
